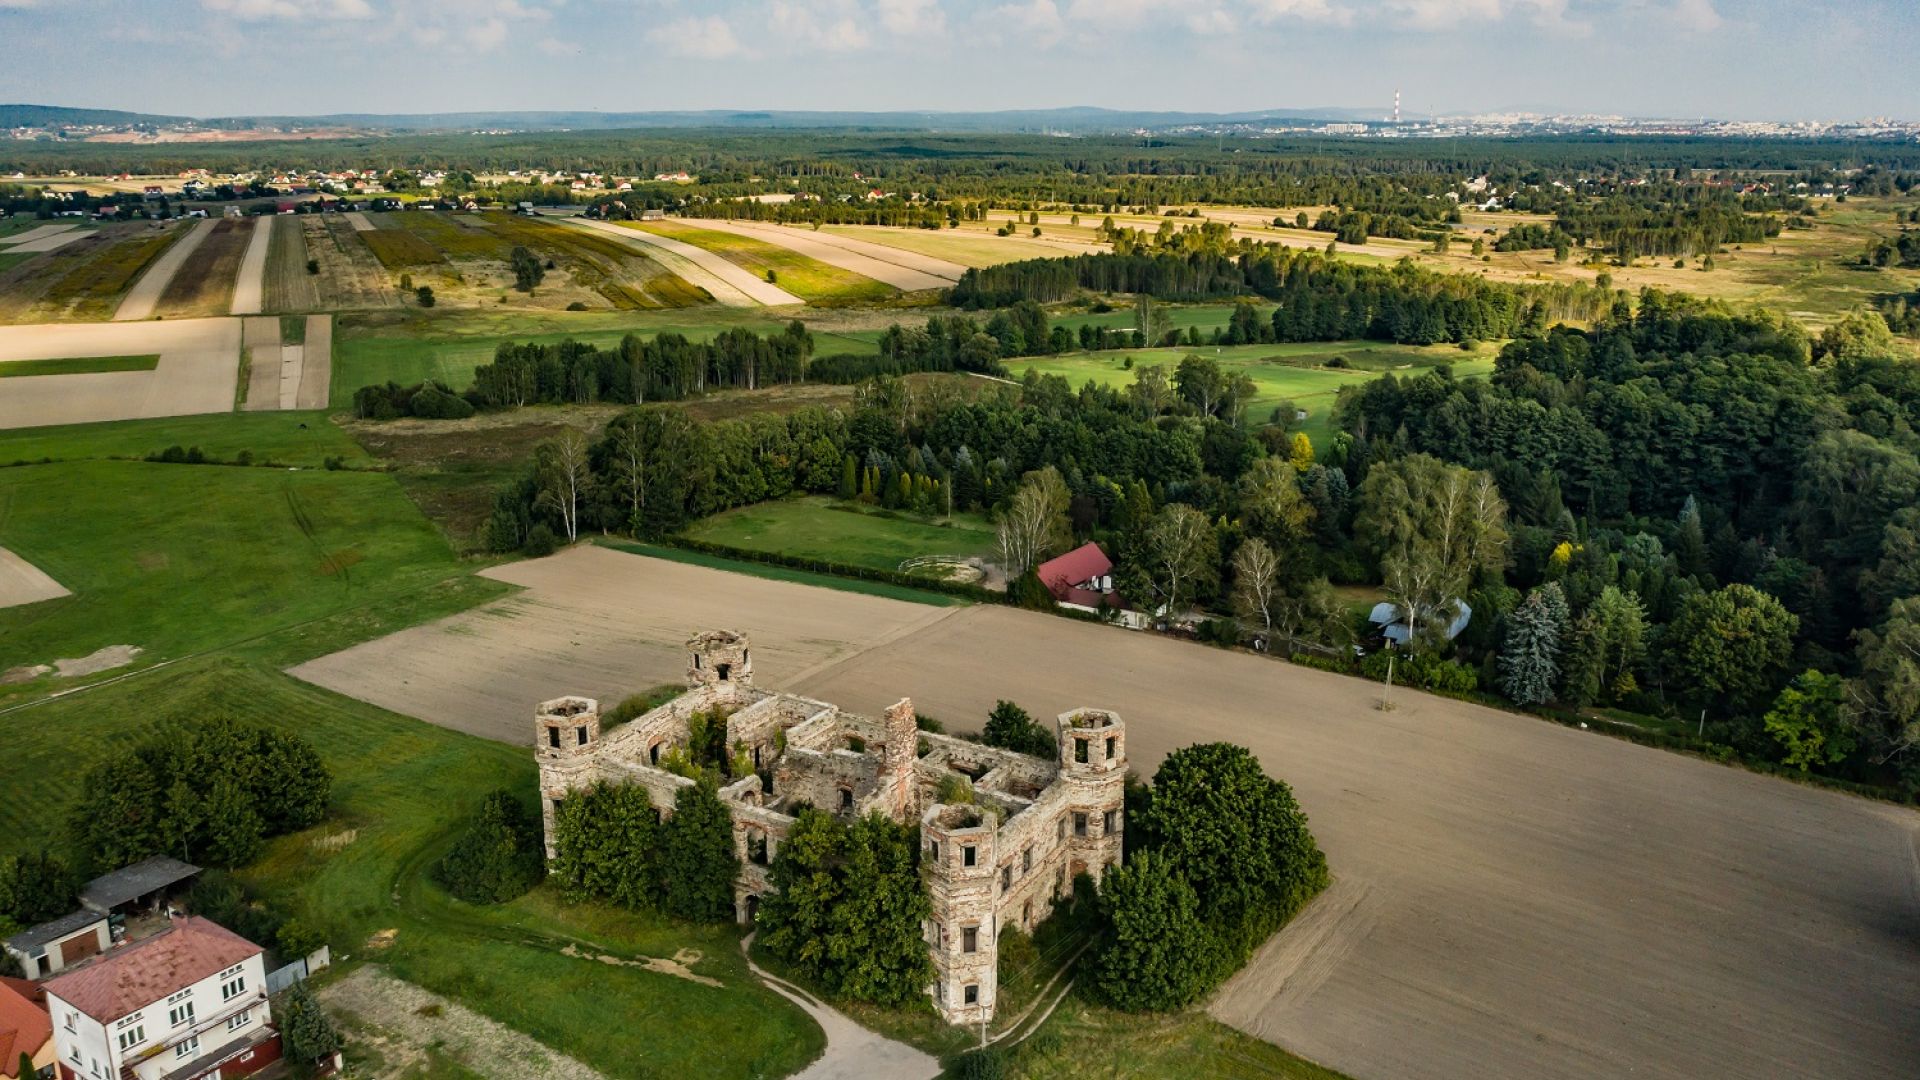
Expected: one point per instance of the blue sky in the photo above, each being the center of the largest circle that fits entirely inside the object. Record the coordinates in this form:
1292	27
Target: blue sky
1787	59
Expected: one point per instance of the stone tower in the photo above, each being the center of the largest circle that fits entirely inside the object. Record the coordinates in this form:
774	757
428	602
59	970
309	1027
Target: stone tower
721	660
566	733
1093	764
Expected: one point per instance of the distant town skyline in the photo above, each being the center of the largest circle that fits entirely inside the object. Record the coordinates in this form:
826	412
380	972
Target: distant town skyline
1726	59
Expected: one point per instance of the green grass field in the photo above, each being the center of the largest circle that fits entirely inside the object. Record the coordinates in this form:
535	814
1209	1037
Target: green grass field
782	573
816	527
805	277
79	365
287	438
408	348
1291	372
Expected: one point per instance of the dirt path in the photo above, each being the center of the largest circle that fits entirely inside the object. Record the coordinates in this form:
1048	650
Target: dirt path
48	243
407	1023
260	337
144	297
853	1052
316	373
250	285
21	582
729	284
901	269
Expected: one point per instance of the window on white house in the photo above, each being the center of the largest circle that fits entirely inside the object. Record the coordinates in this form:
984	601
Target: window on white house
233	989
180	1014
132	1037
180	995
187	1048
70	1017
239	1020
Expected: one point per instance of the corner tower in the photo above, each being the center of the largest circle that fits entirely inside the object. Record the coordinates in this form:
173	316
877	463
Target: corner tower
1093	765
721	660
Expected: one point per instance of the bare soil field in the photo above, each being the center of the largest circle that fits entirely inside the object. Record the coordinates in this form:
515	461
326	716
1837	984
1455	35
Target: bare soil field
145	296
260	338
288	286
199	363
21	582
605	624
250	284
901	269
1514	899
727	283
49	242
316	364
204	284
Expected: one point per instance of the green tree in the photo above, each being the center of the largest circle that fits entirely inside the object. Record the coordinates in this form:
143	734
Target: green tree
1884	699
35	887
1530	657
1010	727
697	863
498	856
527	271
1808	721
1179	554
1153	952
848	908
1731	647
424	295
1272	506
606	841
1236	835
310	1035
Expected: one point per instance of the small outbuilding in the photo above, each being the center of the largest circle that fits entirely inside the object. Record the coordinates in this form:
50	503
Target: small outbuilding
1394	628
144	886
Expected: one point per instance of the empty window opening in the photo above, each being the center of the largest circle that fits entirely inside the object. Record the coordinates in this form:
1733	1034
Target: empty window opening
846	798
970	939
1006	878
1080	751
967	855
553	737
1079	824
1107	822
1112	743
580	734
973	994
723	670
653	754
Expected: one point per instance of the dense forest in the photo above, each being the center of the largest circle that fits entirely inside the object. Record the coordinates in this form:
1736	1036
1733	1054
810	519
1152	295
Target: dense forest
1682	512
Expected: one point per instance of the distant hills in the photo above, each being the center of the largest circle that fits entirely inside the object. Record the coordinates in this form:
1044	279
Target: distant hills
1078	120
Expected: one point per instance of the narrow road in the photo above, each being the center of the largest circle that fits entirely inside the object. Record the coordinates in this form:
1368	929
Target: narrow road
146	292
729	284
250	287
853	1052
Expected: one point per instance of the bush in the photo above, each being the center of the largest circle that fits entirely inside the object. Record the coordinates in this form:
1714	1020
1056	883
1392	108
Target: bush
985	1063
541	542
1010	727
1154	953
1028	592
309	1034
498	857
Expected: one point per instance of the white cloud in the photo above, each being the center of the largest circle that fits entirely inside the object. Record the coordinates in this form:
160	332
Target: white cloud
1268	11
1034	22
290	9
911	18
1212	21
1699	16
830	26
709	38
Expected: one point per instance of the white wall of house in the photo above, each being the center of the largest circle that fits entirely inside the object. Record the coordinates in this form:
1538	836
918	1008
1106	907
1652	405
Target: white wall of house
167	1033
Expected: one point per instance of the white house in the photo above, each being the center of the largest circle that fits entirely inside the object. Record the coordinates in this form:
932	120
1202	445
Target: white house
187	1003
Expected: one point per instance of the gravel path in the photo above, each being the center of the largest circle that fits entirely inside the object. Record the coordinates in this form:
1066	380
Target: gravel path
729	284
141	300
410	1020
21	582
900	269
250	285
853	1052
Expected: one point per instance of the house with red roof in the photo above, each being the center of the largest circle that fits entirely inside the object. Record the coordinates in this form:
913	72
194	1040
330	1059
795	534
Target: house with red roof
186	1003
1082	577
25	1030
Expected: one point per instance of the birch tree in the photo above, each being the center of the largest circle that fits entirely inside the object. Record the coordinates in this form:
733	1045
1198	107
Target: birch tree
564	476
1256	585
1034	525
1181	553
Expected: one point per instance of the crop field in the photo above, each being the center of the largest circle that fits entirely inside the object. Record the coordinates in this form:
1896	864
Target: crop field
816	527
84	280
805	277
350	278
413	347
289	288
400	249
204	283
78	365
968	247
195	372
1288	372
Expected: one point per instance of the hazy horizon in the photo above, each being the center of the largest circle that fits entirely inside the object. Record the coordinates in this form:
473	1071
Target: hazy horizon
1725	59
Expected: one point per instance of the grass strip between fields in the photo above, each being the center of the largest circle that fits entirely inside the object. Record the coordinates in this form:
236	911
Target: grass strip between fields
782	573
78	365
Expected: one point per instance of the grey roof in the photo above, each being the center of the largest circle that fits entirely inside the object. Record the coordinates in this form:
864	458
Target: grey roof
34	940
109	891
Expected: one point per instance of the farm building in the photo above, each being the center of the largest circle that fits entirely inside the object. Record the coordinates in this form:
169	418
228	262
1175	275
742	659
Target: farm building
1002	859
1393	624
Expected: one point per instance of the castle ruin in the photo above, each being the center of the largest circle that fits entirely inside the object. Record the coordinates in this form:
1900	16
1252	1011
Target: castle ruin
1001	860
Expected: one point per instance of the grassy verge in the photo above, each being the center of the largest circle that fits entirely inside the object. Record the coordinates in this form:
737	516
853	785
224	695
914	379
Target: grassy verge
1082	1041
78	365
816	527
781	573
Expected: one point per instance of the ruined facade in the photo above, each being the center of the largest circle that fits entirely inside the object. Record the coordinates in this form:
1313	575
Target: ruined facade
1001	860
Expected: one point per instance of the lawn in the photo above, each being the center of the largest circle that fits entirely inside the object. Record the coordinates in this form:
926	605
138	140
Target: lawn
1290	372
816	527
781	573
176	559
78	365
402	789
409	347
286	438
805	277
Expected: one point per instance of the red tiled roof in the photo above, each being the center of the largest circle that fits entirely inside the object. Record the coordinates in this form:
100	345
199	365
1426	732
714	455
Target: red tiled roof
24	1026
1076	567
142	974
